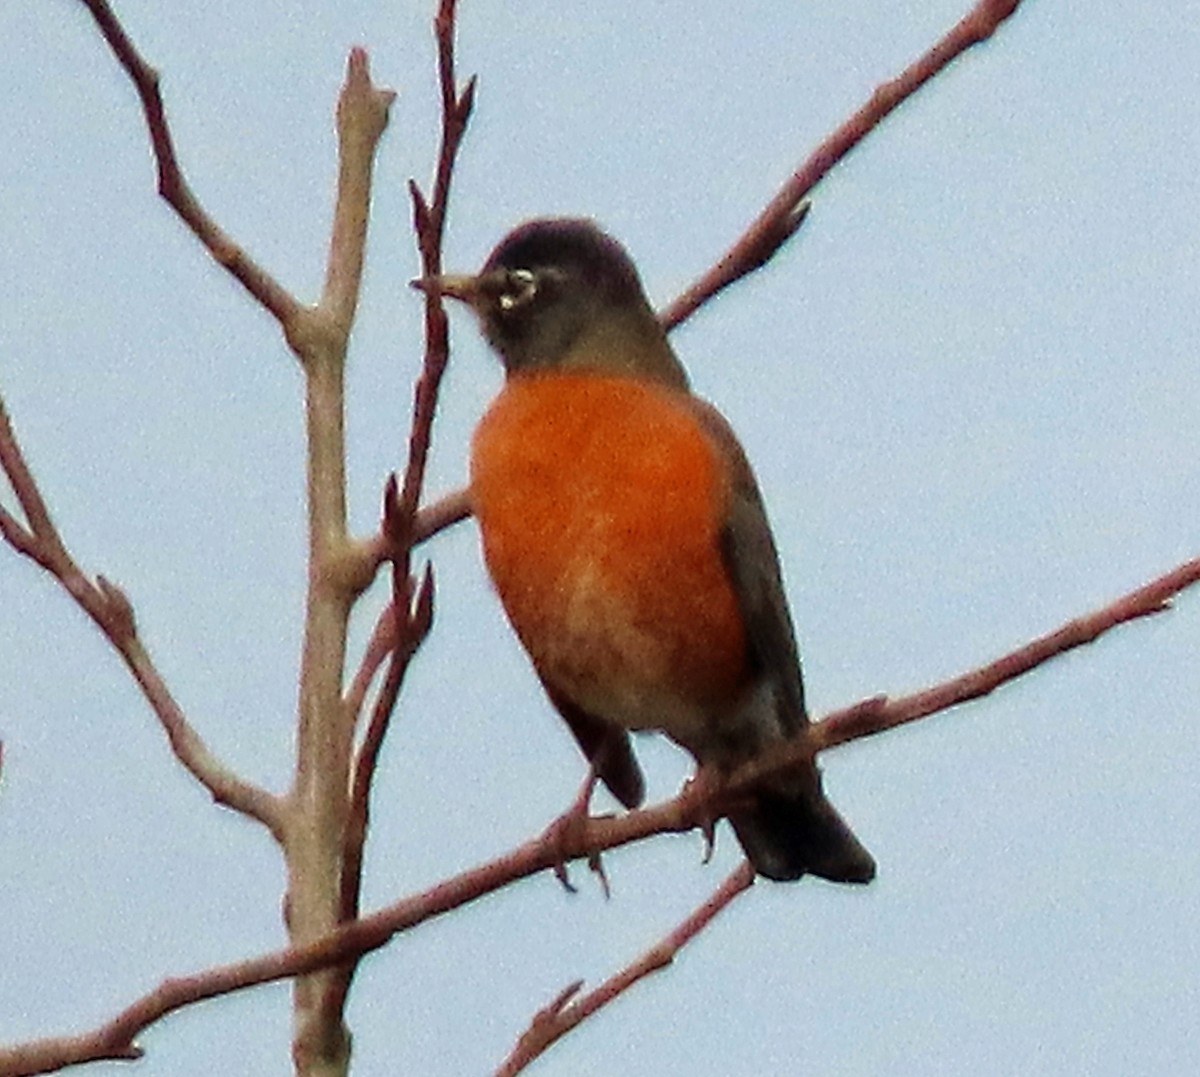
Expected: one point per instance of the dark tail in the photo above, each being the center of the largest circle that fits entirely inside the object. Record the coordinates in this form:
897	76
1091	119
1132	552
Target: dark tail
788	834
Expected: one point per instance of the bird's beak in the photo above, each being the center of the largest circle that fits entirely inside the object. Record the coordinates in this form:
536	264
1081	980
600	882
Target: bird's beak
457	286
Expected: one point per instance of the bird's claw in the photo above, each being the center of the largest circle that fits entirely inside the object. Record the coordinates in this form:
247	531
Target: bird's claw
703	789
567	832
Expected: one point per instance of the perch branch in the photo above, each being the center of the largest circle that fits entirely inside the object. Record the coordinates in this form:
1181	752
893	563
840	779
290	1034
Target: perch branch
594	836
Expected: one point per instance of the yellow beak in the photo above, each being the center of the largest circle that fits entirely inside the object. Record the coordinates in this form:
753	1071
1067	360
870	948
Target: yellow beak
456	286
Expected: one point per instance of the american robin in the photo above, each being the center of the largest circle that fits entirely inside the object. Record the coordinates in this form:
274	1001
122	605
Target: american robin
625	534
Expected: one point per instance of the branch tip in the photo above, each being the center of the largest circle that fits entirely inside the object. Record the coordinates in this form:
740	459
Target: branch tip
118	610
466	101
420	208
422	615
562	999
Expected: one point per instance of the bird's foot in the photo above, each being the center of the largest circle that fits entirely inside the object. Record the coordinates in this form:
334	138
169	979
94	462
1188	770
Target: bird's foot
701	793
567	833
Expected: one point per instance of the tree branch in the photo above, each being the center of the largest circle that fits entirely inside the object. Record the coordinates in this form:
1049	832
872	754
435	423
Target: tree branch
339	569
784	214
173	186
411	607
113	614
562	1015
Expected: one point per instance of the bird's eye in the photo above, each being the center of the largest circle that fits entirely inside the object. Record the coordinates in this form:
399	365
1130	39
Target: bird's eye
520	286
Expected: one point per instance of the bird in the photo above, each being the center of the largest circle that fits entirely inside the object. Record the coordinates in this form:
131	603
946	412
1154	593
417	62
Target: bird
623	529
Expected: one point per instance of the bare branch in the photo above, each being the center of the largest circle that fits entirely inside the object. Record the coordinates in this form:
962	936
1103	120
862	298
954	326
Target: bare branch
114	1040
173	186
339	568
411	612
412	619
41	531
362	116
380	645
554	1021
778	222
110	609
443	513
429	219
878	716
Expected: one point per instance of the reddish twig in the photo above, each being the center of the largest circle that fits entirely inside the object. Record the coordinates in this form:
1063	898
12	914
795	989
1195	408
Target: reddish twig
429	521
402	526
554	1021
411	619
879	714
783	215
380	645
173	186
114	1040
411	608
429	222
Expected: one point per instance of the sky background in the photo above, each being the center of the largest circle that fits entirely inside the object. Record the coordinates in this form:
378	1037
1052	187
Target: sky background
970	391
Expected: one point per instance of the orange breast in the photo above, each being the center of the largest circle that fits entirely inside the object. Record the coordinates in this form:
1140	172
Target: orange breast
601	502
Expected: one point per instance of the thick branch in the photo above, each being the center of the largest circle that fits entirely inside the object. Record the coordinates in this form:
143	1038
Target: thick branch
338	569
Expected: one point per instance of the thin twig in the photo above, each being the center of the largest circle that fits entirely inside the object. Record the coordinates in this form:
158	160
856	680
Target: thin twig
172	184
1147	601
554	1021
111	611
783	215
380	645
412	614
429	221
412	605
441	514
879	714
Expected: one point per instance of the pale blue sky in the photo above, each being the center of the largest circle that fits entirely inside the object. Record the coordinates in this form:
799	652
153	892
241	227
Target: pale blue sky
971	394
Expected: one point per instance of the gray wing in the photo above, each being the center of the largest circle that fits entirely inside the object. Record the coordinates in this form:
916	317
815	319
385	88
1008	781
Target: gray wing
748	549
791	829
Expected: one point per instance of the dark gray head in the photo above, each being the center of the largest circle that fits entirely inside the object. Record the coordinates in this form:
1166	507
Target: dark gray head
558	292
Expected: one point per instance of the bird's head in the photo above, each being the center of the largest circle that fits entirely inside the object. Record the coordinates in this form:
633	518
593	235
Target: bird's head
560	293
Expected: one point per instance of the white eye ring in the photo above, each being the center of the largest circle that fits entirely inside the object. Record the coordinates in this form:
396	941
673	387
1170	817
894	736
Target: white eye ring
522	288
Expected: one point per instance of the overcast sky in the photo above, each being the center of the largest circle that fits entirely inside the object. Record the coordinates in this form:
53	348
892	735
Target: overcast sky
971	395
